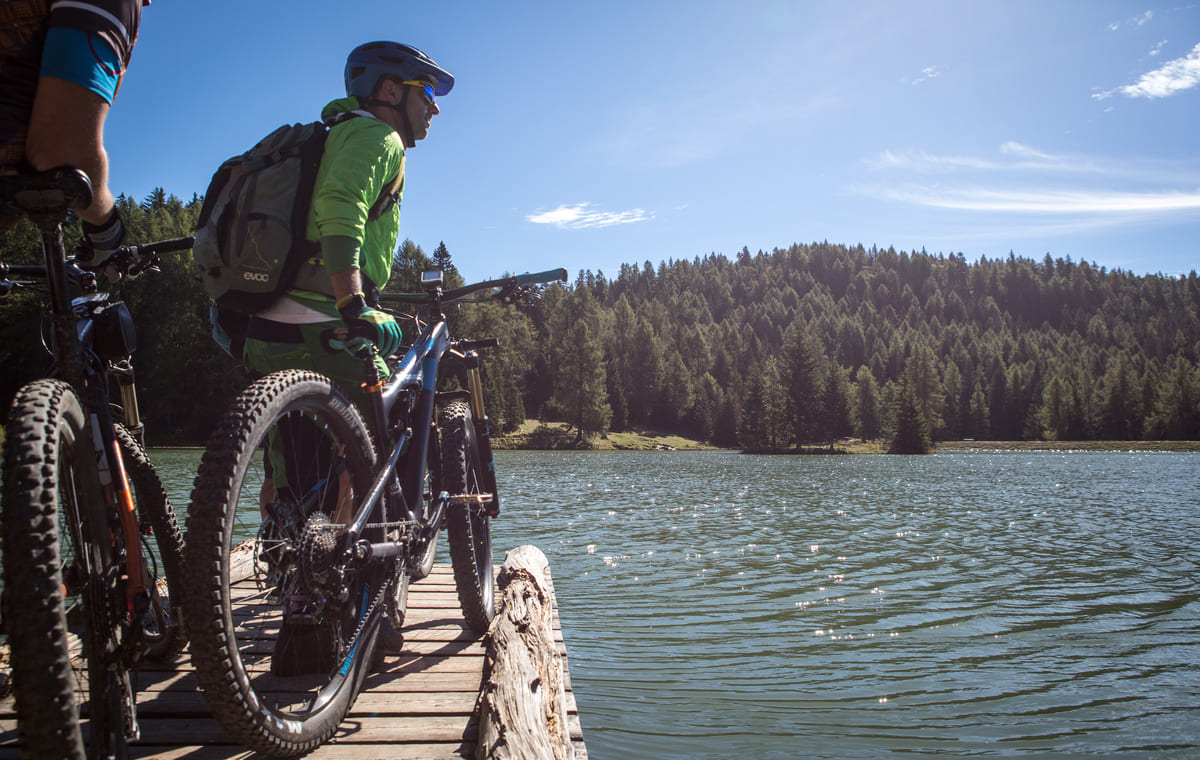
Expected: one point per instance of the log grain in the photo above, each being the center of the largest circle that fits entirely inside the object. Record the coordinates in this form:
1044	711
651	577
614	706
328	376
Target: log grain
522	706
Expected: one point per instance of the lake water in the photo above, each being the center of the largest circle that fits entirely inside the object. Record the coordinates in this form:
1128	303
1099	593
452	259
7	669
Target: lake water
998	604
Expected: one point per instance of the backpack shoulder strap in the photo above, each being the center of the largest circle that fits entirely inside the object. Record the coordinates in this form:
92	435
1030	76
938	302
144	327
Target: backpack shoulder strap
389	195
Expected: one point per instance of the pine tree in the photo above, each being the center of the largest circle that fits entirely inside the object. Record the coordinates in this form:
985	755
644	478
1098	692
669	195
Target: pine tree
867	415
580	394
1177	415
442	261
805	383
912	430
763	423
407	264
835	406
580	383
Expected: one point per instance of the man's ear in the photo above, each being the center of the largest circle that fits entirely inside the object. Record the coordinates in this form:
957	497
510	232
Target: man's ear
390	88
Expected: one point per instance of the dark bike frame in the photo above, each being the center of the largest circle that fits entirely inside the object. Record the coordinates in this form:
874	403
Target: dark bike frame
418	373
413	388
46	198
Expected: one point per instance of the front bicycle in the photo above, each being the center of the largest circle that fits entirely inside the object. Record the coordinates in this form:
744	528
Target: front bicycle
310	515
82	602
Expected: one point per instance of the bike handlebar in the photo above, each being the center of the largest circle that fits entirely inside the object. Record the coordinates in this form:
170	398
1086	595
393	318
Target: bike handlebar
129	260
550	275
510	282
135	259
163	246
340	338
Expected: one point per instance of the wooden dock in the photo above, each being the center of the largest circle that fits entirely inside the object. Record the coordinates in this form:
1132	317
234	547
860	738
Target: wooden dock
421	706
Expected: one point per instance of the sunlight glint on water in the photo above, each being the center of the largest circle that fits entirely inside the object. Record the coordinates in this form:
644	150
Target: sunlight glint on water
717	605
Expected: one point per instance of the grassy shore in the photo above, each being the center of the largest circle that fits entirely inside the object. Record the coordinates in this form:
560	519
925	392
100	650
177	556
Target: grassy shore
534	434
1069	446
556	435
538	435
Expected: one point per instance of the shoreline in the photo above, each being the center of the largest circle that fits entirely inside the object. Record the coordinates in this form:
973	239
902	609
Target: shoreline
649	441
1130	446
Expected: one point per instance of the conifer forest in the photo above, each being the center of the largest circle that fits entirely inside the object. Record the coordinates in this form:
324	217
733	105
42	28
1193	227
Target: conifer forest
801	346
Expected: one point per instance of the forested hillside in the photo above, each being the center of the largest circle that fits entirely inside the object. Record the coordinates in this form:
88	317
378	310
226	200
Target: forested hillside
798	346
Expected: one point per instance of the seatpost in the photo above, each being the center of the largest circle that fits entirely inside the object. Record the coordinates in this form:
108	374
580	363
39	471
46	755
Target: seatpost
46	202
372	386
67	350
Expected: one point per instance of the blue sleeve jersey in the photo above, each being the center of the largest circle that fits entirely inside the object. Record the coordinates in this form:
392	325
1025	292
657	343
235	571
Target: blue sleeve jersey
88	42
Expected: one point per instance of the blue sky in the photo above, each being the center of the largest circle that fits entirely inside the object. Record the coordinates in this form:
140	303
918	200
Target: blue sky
589	134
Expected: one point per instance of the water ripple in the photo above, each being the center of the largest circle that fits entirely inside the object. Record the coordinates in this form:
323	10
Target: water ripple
718	605
972	604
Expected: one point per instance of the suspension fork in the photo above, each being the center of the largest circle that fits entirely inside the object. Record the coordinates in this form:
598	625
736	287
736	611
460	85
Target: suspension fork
123	371
483	433
115	481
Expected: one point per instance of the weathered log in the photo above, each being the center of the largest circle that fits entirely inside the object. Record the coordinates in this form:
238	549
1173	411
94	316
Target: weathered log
522	707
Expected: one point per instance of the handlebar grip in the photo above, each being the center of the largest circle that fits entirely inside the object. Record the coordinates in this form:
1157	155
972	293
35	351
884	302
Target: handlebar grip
474	345
167	246
552	275
23	270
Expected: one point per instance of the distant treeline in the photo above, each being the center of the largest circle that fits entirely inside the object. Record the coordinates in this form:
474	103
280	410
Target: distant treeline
769	351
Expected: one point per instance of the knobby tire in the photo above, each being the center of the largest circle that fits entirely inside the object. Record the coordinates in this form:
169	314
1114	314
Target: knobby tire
468	529
55	520
164	636
246	663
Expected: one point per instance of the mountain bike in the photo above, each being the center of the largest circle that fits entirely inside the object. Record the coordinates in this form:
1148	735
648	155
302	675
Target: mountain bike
308	522
86	594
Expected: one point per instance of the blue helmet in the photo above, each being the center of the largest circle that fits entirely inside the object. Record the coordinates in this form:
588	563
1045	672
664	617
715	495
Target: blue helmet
368	62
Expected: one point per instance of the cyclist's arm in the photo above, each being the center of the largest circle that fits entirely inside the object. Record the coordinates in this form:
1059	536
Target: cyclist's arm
78	141
346	283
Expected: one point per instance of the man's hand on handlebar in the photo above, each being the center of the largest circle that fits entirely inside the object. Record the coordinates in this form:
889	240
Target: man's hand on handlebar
377	326
101	241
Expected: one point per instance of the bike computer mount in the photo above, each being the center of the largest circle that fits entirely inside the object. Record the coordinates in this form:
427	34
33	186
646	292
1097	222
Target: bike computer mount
432	279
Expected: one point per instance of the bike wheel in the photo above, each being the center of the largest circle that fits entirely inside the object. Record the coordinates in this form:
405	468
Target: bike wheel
468	530
282	633
162	632
423	565
63	596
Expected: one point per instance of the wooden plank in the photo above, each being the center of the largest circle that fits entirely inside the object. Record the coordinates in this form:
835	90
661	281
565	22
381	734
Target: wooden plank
421	704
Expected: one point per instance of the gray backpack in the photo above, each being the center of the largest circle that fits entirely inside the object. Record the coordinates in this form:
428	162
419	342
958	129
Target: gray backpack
250	238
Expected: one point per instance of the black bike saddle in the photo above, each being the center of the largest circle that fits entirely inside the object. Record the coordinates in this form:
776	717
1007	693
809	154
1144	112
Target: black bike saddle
41	194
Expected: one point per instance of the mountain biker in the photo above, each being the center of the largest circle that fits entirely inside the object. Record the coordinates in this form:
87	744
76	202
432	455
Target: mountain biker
355	217
61	64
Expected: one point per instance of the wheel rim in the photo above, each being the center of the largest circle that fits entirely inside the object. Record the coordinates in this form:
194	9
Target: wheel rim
293	645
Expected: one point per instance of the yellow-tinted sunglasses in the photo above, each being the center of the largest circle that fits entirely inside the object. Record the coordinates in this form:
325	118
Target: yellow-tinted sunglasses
426	88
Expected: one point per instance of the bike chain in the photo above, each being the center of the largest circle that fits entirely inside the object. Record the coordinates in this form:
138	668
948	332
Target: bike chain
363	620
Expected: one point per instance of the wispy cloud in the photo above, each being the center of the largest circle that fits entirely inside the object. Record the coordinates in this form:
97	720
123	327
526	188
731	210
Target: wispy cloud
1024	180
1015	160
1141	20
1049	201
1013	148
927	73
1014	156
1169	79
584	216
